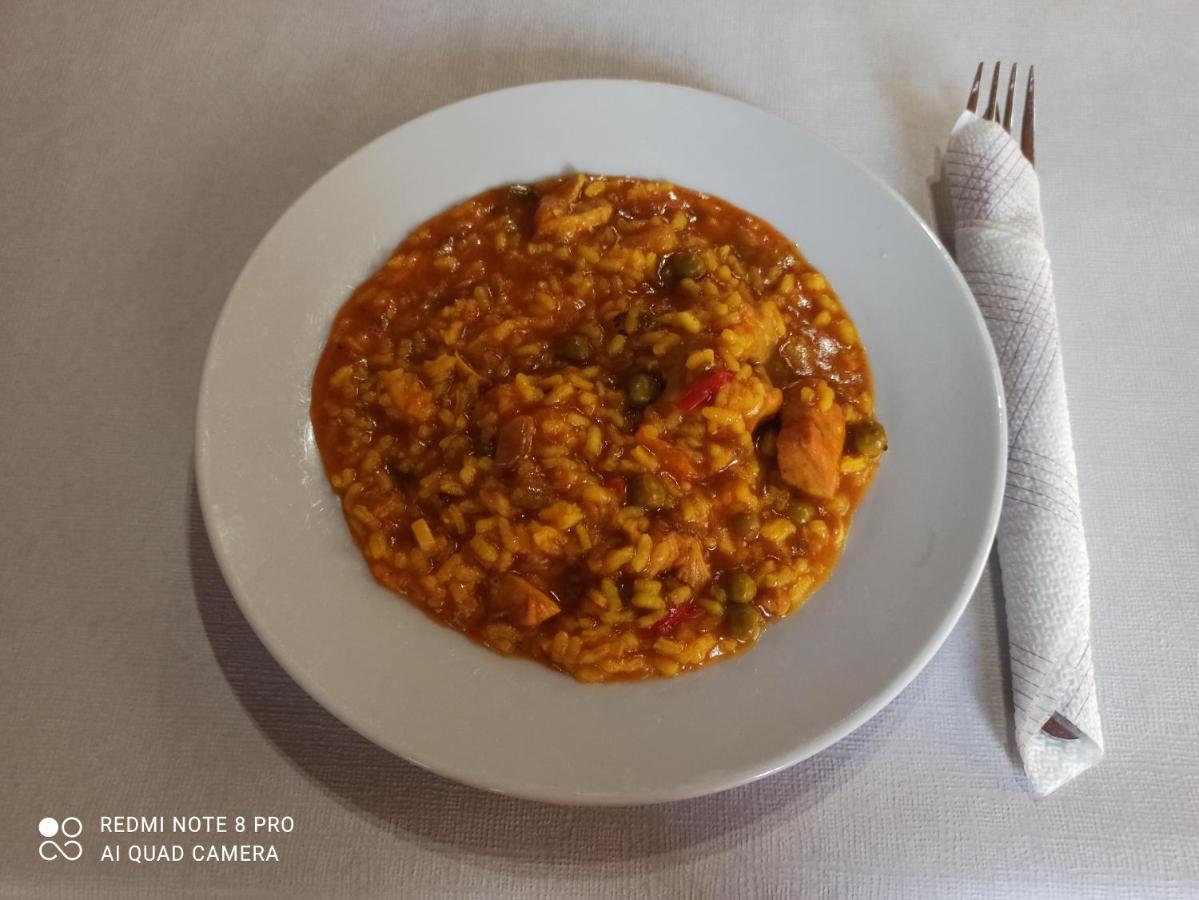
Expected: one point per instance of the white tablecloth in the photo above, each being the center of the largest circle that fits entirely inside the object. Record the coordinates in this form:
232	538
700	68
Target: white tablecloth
144	150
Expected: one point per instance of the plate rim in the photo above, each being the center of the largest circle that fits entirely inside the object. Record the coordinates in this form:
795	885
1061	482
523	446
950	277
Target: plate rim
721	782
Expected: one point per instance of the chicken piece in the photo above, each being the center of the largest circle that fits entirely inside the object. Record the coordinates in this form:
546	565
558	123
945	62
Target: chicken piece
811	439
754	399
523	604
409	400
683	555
654	235
562	215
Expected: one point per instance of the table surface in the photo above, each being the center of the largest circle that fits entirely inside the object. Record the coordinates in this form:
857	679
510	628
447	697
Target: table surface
146	149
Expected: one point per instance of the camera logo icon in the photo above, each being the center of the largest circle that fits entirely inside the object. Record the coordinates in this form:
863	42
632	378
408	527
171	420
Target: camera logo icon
68	848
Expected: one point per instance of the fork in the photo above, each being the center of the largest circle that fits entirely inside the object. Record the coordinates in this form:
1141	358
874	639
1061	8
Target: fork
1055	726
1027	125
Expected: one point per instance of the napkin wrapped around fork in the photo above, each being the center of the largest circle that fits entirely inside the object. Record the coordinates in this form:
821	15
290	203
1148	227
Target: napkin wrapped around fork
1000	249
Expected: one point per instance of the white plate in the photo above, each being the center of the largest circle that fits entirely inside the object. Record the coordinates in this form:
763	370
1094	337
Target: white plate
915	550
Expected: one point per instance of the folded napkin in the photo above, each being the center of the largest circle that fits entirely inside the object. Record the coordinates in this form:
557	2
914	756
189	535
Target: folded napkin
1000	248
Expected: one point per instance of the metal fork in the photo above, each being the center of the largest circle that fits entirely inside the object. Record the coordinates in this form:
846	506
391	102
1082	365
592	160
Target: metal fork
1056	726
1028	123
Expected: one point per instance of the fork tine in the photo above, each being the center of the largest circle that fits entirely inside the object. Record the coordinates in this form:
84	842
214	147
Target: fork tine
1028	125
992	102
972	100
1011	97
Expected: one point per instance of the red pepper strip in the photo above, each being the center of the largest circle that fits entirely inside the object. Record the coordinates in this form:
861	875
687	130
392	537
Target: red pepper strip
702	392
676	616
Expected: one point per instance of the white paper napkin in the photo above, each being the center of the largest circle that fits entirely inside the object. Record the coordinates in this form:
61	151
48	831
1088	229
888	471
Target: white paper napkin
1000	249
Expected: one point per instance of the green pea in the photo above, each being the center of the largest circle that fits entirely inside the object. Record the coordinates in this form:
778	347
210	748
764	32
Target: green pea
869	438
800	512
647	491
575	348
742	621
744	524
643	389
685	265
741	587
